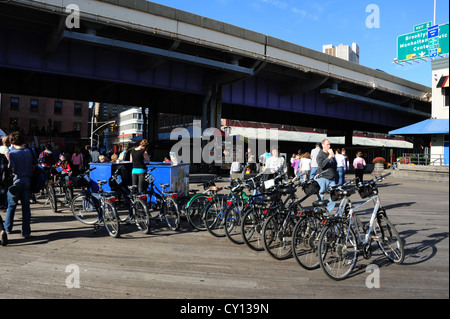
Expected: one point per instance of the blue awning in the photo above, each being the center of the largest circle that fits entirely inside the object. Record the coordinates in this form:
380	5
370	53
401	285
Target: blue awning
431	126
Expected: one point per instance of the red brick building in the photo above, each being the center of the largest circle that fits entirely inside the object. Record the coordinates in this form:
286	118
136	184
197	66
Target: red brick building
38	116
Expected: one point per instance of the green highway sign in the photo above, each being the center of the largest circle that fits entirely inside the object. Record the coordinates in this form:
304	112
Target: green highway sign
423	26
416	45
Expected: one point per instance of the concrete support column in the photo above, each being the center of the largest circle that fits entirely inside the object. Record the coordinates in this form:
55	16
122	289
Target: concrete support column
348	138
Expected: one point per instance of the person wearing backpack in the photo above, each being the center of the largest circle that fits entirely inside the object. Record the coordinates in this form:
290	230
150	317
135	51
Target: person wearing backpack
21	164
46	157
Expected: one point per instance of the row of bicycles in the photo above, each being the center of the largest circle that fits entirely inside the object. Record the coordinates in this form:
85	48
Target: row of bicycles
123	204
271	217
264	214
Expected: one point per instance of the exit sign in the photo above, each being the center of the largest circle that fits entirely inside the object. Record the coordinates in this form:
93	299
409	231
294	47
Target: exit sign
417	44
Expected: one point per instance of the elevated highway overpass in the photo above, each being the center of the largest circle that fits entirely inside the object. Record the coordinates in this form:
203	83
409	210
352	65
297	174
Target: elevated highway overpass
140	53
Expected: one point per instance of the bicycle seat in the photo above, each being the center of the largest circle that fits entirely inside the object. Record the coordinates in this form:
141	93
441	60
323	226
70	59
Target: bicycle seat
215	188
164	185
132	188
107	194
100	183
286	190
321	203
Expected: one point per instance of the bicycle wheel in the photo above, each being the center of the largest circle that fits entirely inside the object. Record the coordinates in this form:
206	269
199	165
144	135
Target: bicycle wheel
277	237
389	240
172	214
214	218
338	252
304	242
111	220
52	197
252	226
84	209
142	216
233	223
196	212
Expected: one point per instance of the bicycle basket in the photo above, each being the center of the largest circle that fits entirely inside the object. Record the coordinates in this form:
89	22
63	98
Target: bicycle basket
337	194
286	190
368	190
311	188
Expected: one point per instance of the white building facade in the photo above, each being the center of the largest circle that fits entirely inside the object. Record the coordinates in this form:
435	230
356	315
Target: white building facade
131	125
439	153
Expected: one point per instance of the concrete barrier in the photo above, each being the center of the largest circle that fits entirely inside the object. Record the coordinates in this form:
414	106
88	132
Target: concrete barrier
422	172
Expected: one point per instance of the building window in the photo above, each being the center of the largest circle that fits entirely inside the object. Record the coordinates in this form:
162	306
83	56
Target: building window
34	105
57	127
13	124
77	111
58	107
77	127
33	129
14	103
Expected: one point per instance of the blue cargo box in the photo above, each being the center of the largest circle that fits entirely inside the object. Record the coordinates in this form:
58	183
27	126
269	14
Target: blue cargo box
176	176
104	171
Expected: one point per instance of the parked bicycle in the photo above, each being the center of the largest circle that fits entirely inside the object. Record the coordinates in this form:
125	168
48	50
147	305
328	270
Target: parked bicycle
278	227
93	206
194	207
344	239
134	203
163	205
237	206
308	228
259	208
50	193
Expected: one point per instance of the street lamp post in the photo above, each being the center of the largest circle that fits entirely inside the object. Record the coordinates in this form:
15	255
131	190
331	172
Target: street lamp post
93	132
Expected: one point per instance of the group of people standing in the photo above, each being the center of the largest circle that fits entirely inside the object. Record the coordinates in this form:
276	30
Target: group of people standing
306	164
18	159
331	168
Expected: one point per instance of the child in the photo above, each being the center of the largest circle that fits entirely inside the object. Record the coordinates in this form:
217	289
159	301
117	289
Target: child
297	165
63	166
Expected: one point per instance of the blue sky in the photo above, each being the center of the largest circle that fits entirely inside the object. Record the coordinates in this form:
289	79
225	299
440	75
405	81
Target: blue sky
315	23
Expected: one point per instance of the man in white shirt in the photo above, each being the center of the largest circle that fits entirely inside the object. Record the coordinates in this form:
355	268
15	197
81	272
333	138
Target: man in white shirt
314	165
341	167
275	163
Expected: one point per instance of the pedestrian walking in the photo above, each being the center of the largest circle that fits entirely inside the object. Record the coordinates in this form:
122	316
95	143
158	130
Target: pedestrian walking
21	161
359	164
77	161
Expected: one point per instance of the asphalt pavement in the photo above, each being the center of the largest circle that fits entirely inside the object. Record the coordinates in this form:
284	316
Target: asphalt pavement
65	259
